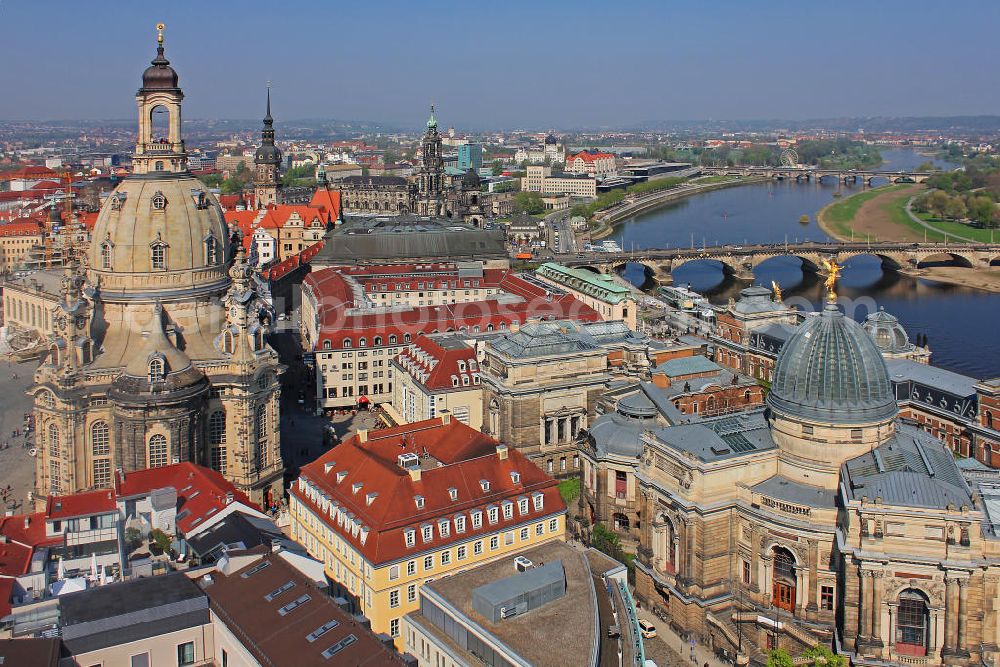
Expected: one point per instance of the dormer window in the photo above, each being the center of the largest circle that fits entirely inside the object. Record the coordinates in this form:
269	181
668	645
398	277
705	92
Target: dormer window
522	505
341	475
444	528
156	369
459	524
477	520
515	477
538	499
419	502
392	339
356	487
484	484
410	536
347	343
453	493
461	366
493	514
118	200
508	510
158	202
427	532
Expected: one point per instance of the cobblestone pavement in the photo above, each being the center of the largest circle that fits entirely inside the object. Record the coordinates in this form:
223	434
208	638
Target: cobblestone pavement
17	465
668	649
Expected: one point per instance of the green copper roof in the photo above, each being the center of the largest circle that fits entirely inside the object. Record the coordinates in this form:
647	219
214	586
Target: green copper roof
598	285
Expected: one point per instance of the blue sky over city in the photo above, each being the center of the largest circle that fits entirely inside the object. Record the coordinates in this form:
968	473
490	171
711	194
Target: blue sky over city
509	64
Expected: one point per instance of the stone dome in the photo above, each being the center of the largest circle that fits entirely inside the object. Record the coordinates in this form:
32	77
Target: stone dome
889	335
551	140
831	372
157	235
159	75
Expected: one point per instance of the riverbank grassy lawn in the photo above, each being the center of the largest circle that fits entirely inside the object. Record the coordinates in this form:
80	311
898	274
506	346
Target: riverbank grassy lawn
959	229
840	214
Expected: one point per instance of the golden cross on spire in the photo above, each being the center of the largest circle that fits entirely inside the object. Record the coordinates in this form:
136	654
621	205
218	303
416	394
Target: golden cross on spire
159	33
833	272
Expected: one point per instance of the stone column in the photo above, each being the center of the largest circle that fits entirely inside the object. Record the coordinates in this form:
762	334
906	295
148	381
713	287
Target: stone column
876	604
864	616
811	601
963	610
949	614
755	577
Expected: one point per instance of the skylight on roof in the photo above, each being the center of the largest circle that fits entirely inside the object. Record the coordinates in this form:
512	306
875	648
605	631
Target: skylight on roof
294	604
279	590
321	630
339	646
255	569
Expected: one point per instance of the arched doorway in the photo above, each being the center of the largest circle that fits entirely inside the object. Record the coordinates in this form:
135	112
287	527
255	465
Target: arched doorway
783	576
912	623
665	547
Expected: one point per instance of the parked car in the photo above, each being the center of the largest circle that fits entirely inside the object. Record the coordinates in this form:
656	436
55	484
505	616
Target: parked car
647	629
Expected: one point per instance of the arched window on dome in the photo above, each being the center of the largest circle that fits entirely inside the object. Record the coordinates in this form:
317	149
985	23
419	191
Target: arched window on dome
156	369
48	399
158	452
158	255
211	250
227	341
106	250
258	340
158	201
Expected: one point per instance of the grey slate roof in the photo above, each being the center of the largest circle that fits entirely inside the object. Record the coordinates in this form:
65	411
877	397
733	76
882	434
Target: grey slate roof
756	299
688	366
408	237
906	370
791	491
131	611
618	435
719	438
540	339
913	469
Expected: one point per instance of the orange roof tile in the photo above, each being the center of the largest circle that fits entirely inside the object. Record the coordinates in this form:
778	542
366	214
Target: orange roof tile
464	456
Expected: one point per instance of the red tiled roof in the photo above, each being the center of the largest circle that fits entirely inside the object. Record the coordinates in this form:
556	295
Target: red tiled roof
327	201
31	171
336	297
465	455
80	504
587	156
439	365
32	534
201	491
46	185
88	220
21	227
6	590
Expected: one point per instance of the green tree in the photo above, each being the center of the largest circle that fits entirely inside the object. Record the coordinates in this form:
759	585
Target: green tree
926	166
779	657
982	209
161	540
528	202
822	656
955	208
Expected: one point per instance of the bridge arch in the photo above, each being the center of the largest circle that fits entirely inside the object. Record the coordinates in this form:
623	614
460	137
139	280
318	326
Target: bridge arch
888	263
944	257
730	266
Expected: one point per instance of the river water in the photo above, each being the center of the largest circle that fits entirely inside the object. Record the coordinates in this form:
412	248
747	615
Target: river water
961	324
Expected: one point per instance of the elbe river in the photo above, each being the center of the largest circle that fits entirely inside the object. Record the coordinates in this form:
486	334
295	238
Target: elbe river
962	325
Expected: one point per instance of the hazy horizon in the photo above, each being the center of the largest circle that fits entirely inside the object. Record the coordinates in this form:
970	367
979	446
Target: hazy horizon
558	64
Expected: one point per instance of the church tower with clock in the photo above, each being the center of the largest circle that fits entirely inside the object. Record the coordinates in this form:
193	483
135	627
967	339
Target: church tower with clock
267	163
160	352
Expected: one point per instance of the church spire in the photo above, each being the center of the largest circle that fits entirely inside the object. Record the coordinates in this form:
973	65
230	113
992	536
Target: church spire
267	180
268	121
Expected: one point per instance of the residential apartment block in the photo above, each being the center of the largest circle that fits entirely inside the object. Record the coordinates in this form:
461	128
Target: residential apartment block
389	510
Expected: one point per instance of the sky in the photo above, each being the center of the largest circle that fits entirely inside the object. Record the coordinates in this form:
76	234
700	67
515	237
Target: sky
507	64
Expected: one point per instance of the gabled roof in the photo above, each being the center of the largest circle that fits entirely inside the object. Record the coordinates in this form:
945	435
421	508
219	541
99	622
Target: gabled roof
453	455
588	156
327	201
23	227
80	504
201	492
436	367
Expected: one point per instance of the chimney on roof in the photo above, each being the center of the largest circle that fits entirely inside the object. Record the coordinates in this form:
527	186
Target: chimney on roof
502	451
363	435
445	416
414	474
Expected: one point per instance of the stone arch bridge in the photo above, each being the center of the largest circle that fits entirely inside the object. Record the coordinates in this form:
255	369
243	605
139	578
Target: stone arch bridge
817	174
740	261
